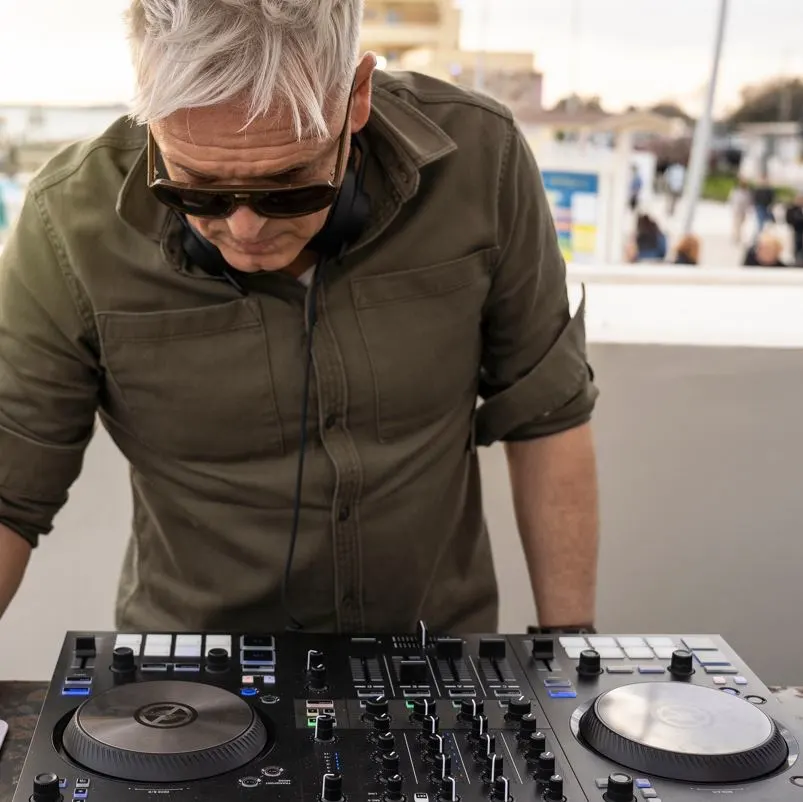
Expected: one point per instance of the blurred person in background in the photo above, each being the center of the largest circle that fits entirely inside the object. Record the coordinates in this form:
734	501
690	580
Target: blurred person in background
649	243
294	271
674	180
763	202
634	188
794	219
766	252
688	251
740	199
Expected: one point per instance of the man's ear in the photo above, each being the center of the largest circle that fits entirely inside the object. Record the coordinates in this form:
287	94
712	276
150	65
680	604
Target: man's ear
361	106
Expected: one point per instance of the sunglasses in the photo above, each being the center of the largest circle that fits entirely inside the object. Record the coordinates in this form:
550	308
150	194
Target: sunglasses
221	201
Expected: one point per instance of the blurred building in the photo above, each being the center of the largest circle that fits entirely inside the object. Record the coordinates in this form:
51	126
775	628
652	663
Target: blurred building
424	36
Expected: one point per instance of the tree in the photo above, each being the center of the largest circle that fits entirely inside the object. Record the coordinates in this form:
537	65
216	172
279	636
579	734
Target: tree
576	103
780	100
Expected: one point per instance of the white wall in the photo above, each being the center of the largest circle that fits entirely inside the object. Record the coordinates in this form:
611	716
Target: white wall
700	460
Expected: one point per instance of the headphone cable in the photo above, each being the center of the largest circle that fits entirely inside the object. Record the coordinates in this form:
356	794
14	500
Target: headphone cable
312	319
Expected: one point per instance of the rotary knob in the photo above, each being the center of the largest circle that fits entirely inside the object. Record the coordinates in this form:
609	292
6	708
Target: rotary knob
501	792
386	742
546	767
316	677
479	726
435	744
391	763
682	664
486	746
471	708
378	706
423	708
536	746
494	766
430	725
123	660
527	726
518	708
217	660
554	790
620	788
394	789
442	766
332	788
448	790
46	788
324	728
589	664
381	723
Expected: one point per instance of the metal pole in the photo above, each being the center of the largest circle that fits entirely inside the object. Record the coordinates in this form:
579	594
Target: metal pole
702	133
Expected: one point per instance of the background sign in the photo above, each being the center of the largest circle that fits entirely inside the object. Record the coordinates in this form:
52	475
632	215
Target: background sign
574	199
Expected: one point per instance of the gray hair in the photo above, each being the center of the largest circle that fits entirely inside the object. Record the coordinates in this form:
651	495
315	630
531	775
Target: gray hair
197	53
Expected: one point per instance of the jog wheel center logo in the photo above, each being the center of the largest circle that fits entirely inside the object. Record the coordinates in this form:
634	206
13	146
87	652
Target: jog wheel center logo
166	715
683	717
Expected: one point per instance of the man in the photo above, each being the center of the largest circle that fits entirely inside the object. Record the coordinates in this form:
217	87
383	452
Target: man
365	360
675	180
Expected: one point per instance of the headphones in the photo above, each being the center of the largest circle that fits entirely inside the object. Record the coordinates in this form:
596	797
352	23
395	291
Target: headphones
347	219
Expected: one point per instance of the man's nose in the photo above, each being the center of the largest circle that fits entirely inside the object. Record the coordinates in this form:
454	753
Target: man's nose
245	225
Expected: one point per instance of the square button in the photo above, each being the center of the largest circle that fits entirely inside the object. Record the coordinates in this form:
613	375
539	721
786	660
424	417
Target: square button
719	680
694	643
596	642
563	694
573	653
649	793
557	682
573	643
661	642
620	669
653	669
721	670
641	782
740	681
602	783
664	652
611	653
625	642
706	658
638	652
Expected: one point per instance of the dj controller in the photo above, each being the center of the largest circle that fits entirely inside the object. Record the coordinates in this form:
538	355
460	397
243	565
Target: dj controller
408	718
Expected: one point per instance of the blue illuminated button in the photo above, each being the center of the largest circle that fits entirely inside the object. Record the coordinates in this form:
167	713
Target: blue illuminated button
740	680
80	793
562	694
642	783
62	782
75	691
557	682
248	691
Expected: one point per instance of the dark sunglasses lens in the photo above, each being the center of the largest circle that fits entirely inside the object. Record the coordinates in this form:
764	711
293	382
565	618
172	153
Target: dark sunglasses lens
197	204
294	202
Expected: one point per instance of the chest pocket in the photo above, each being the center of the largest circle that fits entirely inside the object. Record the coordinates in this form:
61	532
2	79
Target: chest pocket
193	383
422	331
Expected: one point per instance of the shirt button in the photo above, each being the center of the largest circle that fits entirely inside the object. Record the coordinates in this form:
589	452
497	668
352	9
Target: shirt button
331	421
345	513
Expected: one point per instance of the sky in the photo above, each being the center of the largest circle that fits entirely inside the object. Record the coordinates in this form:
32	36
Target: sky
626	51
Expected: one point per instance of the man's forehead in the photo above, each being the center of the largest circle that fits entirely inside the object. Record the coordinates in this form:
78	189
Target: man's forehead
232	121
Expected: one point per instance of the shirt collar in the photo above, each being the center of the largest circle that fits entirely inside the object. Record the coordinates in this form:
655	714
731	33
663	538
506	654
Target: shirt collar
406	141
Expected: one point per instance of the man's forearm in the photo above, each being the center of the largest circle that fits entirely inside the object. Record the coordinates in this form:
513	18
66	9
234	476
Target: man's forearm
554	482
14	555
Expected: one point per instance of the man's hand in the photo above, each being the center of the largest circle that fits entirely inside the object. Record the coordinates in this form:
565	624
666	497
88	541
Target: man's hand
14	555
554	482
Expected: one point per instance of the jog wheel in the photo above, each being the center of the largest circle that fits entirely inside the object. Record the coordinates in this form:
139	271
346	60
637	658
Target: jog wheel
164	732
686	733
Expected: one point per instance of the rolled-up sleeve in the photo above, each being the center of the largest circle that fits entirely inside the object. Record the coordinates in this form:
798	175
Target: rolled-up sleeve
536	380
48	375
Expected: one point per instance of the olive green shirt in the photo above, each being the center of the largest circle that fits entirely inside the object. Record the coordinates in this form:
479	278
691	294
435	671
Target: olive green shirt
455	294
